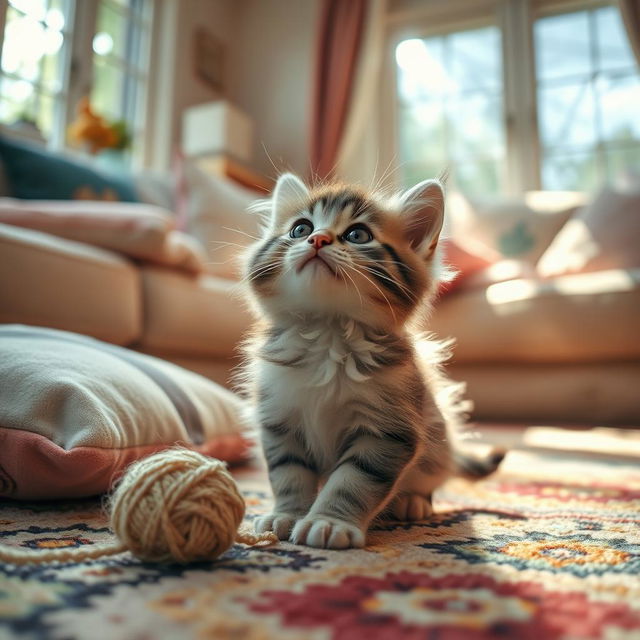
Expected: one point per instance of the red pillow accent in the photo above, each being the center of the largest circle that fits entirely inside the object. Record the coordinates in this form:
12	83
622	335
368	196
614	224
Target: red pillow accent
464	262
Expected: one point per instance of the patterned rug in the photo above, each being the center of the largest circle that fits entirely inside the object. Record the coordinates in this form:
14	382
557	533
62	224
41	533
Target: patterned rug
547	548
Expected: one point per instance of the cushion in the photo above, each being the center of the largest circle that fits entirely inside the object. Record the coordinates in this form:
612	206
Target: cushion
33	172
58	283
74	412
216	214
156	187
140	231
201	317
465	261
515	229
583	393
590	317
603	235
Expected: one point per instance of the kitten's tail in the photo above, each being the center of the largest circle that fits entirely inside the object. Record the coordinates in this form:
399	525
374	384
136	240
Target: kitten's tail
474	465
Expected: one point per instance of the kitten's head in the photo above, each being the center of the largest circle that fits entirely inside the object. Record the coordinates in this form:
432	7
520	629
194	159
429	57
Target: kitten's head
338	251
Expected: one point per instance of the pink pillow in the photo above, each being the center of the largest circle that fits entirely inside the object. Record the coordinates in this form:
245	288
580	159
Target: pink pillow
139	231
464	262
604	235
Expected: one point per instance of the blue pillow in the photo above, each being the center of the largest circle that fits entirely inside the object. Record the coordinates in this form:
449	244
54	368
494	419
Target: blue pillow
34	173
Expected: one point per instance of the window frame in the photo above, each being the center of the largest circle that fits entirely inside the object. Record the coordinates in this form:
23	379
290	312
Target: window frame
78	71
515	19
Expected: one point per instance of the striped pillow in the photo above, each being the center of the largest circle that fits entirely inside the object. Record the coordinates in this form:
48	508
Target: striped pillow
74	412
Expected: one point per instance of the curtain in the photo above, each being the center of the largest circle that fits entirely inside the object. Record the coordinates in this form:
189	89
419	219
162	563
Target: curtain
630	11
364	154
341	29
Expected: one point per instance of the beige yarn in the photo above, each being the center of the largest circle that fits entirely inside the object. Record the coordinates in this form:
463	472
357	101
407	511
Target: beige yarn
176	505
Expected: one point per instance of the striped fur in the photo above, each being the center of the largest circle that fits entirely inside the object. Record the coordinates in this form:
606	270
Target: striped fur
356	418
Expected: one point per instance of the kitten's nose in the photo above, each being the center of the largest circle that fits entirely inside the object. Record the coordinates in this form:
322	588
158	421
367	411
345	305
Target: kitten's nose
319	239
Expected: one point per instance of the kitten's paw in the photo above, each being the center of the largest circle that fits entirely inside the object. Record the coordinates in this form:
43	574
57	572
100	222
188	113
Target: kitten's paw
280	523
327	533
410	507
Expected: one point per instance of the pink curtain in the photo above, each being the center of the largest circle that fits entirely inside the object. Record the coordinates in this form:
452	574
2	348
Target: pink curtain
630	10
341	29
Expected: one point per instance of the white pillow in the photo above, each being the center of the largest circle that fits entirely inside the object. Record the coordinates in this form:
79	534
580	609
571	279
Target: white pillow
605	235
217	216
518	229
75	411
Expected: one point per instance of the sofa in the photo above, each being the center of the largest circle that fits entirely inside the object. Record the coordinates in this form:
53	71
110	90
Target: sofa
534	342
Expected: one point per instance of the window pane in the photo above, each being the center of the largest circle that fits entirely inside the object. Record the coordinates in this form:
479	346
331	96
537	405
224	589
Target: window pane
51	72
112	25
421	72
121	48
572	172
476	126
35	9
476	58
33	58
478	177
562	46
614	51
620	108
422	134
106	96
46	114
566	115
590	128
17	100
450	91
23	46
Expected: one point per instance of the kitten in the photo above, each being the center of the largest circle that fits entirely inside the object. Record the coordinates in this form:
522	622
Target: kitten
354	421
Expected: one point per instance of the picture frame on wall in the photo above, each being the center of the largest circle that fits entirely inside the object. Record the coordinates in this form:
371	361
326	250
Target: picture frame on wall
209	59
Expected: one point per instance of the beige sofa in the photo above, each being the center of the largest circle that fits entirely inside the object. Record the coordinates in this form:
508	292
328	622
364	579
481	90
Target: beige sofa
195	321
564	349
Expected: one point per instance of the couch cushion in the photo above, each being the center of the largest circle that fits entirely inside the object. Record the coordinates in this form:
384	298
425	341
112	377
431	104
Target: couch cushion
58	283
74	412
217	216
140	231
588	393
515	229
201	317
32	171
578	318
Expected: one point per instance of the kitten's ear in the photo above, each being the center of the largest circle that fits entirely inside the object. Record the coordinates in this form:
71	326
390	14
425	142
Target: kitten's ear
289	192
423	213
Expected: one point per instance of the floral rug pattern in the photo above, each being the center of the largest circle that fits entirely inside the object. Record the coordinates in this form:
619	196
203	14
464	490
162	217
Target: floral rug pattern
547	548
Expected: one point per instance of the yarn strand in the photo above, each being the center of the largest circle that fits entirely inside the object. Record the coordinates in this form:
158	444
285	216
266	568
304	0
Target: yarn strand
173	506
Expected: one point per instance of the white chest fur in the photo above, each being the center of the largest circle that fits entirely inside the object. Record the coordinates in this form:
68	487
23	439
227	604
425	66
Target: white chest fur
310	375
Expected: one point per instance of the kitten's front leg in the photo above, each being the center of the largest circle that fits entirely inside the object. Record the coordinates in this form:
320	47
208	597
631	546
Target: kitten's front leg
293	477
368	467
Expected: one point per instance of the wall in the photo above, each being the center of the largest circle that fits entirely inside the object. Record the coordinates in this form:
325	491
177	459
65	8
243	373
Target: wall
175	84
269	46
270	79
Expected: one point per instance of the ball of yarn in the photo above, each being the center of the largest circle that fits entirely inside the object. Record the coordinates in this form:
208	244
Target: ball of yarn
177	505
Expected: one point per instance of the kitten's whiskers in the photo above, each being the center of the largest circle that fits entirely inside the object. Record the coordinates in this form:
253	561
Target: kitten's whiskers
379	290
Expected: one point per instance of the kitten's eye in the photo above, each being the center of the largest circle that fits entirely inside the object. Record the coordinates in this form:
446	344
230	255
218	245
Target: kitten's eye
301	229
358	235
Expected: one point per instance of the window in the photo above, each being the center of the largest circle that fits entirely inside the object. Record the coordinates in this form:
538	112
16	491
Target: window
588	91
450	89
35	58
121	57
577	85
46	68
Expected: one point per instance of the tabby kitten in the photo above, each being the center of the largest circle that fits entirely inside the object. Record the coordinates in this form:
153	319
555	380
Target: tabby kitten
355	421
